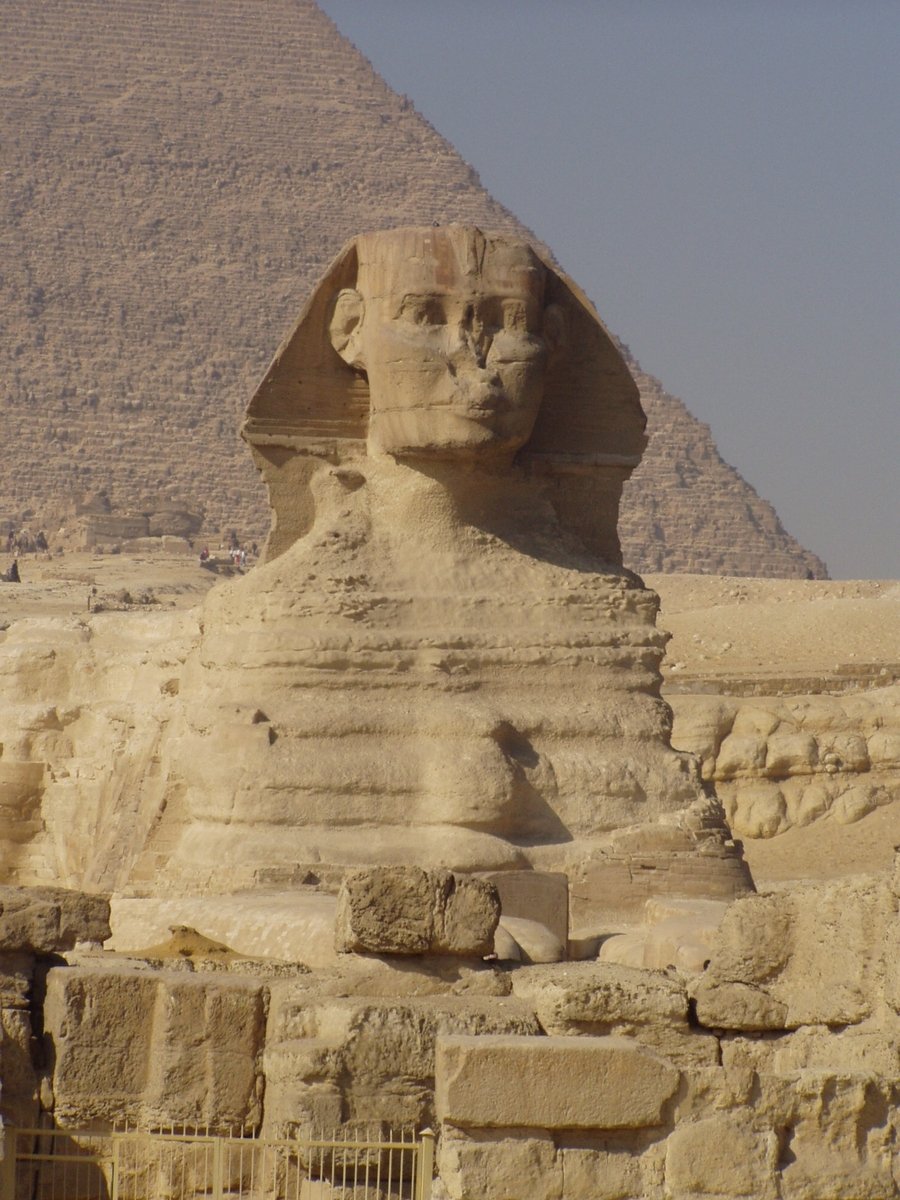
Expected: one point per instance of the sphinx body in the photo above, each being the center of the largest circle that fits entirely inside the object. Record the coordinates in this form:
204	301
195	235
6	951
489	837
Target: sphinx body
443	660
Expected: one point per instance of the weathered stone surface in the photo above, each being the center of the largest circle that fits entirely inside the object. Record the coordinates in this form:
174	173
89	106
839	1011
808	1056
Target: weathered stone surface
601	1174
387	910
780	762
514	1164
19	1094
809	955
405	910
46	919
872	1052
600	999
154	1046
736	1005
838	1136
720	1156
602	1083
330	1057
466	916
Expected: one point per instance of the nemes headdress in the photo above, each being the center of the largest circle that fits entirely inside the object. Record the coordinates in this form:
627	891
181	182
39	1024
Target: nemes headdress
311	407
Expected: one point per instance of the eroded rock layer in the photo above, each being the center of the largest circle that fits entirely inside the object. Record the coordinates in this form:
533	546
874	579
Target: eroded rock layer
177	176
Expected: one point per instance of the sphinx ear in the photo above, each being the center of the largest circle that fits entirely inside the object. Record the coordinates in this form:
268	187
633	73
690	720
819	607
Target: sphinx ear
554	329
346	323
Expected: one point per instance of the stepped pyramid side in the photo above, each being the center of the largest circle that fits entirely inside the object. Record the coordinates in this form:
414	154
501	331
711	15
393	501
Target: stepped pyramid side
176	176
684	507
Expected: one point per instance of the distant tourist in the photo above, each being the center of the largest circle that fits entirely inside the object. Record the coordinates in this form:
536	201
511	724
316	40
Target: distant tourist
12	575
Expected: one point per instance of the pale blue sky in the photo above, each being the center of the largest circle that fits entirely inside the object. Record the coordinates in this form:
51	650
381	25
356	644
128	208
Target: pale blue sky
723	179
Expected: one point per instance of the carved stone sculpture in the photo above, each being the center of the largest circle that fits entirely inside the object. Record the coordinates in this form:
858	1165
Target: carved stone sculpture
442	660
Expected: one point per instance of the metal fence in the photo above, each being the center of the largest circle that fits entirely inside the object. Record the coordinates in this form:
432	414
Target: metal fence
186	1164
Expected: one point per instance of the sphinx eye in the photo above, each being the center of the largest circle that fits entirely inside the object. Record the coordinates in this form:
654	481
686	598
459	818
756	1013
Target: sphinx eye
423	310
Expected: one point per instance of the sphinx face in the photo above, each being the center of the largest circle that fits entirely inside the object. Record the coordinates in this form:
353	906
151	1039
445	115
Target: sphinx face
451	335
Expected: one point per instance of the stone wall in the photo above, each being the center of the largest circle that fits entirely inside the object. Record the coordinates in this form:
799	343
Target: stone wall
771	1073
774	1074
177	177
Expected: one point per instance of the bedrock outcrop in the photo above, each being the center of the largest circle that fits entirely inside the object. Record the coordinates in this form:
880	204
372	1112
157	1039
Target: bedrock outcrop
783	761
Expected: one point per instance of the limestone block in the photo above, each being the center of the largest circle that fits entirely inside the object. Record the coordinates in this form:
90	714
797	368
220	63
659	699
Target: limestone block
738	1006
720	1156
838	1136
718	1088
154	1046
389	910
466	916
510	1164
790	754
405	910
753	941
600	999
875	1053
812	802
376	1054
597	998
808	955
579	1083
47	919
19	1095
754	719
600	1174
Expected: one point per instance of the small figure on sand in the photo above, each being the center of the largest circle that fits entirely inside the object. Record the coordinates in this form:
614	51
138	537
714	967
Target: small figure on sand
12	575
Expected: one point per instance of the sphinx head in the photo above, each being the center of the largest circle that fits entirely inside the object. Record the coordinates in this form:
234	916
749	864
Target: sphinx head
453	332
447	343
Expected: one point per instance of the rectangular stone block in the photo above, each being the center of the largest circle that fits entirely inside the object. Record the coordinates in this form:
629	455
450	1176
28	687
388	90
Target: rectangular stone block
551	1083
155	1047
405	910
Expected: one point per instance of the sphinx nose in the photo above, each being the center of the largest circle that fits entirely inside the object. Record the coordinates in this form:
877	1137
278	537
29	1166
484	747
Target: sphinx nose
473	339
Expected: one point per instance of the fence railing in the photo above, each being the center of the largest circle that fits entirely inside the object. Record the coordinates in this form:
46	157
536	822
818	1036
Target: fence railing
186	1164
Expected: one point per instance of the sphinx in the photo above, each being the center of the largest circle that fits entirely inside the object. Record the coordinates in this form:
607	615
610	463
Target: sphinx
441	659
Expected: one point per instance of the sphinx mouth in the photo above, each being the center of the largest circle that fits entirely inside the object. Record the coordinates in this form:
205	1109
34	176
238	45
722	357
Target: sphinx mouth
483	396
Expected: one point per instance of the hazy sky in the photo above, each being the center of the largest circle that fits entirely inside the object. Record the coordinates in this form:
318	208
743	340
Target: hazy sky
723	179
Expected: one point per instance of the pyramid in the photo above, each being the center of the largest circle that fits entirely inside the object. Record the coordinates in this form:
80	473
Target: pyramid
177	174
